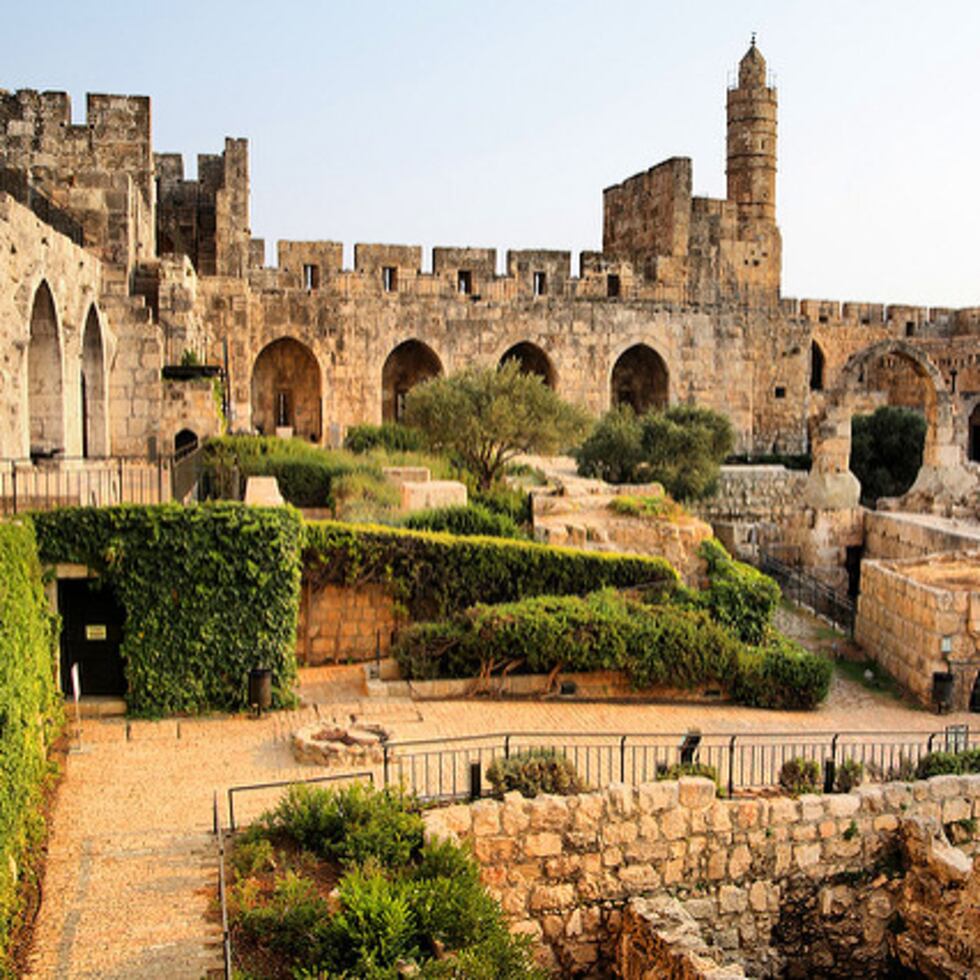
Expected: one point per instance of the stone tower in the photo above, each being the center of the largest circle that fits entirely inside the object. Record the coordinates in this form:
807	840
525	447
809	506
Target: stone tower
752	141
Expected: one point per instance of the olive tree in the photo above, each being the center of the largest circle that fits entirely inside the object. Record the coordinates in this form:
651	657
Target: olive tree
484	417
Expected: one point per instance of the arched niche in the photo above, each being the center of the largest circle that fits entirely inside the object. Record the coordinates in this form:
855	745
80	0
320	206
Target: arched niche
45	377
286	390
409	364
640	379
817	367
94	386
532	360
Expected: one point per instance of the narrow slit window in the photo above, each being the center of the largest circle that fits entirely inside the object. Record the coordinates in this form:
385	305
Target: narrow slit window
612	285
389	279
540	284
311	277
464	282
780	391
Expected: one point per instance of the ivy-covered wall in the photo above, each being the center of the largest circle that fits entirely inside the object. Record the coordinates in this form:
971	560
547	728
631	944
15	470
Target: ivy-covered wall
209	593
30	711
435	575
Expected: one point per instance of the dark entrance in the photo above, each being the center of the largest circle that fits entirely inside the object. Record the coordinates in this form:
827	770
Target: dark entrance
975	695
90	636
852	561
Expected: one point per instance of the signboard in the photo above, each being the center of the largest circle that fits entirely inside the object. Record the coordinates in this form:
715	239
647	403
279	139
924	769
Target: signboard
95	631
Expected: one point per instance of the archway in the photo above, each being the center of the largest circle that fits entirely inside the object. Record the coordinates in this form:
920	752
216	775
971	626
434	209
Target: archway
409	364
640	379
45	378
974	434
185	441
532	360
975	694
93	389
832	485
286	390
817	363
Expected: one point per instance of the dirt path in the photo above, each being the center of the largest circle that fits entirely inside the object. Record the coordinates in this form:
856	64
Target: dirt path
132	863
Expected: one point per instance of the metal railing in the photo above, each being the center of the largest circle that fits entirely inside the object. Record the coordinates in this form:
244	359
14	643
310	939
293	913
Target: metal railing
454	769
68	482
804	589
222	895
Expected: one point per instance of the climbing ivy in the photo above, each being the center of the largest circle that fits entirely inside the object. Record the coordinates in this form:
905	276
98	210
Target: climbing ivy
435	575
29	713
209	592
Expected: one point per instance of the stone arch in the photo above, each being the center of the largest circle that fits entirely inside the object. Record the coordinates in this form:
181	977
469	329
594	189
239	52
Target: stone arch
287	390
94	387
818	365
45	376
532	360
832	485
640	378
409	364
185	441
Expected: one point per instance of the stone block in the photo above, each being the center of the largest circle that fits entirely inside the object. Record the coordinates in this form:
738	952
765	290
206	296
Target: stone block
655	797
434	493
696	792
486	818
542	844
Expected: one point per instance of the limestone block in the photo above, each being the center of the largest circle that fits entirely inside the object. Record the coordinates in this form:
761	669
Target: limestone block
486	818
620	797
844	805
542	844
434	493
696	792
731	898
655	797
547	812
263	491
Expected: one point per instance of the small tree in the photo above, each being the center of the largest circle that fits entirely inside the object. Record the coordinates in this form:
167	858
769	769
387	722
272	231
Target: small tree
886	451
682	448
486	417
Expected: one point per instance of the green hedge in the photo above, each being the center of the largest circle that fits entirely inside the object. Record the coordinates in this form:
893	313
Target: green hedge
653	645
392	436
30	712
209	592
435	575
467	520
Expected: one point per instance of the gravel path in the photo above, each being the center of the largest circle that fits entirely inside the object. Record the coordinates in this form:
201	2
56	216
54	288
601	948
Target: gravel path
131	867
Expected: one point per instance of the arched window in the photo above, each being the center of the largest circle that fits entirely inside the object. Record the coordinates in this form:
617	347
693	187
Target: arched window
45	378
93	390
532	360
816	367
409	364
286	390
640	379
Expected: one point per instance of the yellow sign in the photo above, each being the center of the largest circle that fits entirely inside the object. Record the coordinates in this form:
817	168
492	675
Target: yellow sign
95	631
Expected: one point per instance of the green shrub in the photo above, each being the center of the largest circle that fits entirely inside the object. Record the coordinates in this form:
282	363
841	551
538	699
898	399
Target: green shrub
353	824
613	450
849	775
535	771
798	776
738	596
948	764
680	769
781	674
30	714
209	592
289	921
391	436
435	575
471	519
364	495
654	506
886	451
511	502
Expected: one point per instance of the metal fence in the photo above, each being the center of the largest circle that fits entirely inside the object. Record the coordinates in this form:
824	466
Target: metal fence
454	769
806	590
68	482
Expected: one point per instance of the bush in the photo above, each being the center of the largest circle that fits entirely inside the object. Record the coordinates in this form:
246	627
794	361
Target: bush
738	596
948	764
511	502
652	645
353	824
209	593
435	575
849	775
30	714
289	921
781	674
680	769
681	448
472	519
535	771
391	436
798	776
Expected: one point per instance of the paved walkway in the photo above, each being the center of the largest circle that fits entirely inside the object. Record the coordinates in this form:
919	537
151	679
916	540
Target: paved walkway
131	867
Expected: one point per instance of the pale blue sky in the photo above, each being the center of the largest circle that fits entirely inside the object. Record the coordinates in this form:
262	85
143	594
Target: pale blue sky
498	124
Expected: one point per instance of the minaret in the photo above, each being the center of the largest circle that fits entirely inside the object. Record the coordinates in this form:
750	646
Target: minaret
752	140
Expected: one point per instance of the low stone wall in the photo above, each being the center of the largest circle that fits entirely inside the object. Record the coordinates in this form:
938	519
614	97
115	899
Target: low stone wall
565	867
896	535
339	623
902	622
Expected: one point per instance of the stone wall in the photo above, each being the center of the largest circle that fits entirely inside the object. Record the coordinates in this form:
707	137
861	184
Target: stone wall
895	535
339	623
564	867
909	608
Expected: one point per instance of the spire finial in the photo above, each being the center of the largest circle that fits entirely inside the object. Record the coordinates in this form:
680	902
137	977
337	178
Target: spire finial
753	39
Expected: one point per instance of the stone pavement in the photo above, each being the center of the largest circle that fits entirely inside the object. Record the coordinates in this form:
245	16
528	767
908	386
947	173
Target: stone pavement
132	867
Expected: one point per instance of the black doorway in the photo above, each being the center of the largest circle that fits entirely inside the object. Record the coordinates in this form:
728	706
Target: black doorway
975	695
92	623
852	562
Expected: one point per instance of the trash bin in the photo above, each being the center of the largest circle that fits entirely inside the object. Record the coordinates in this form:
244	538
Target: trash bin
260	688
942	690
